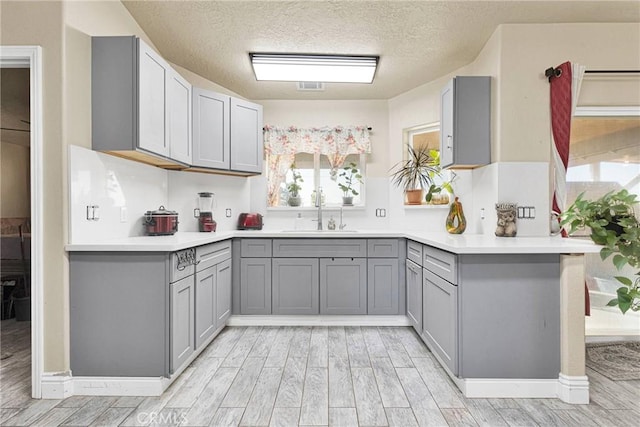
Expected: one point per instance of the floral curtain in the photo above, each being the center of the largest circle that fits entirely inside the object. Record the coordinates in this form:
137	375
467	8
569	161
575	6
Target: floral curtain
282	144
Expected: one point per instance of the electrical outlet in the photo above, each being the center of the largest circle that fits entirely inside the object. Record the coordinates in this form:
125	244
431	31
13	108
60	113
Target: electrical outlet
123	214
227	213
93	212
381	213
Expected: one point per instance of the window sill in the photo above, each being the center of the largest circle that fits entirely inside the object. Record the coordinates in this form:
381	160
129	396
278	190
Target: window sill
426	206
311	208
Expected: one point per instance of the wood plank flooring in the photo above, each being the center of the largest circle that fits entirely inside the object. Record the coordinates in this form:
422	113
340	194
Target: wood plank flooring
289	376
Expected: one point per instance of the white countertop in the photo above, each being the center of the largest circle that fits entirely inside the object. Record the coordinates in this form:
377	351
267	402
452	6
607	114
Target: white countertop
459	244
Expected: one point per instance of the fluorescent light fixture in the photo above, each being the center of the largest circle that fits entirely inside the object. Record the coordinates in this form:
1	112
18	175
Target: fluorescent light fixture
314	68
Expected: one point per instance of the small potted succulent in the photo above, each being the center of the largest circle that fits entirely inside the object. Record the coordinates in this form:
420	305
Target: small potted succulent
293	188
351	175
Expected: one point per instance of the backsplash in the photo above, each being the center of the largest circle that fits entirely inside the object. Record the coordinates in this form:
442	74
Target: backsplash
112	183
124	190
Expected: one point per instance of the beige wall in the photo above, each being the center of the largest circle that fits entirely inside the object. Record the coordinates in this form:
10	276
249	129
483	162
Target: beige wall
373	113
14	184
527	50
30	23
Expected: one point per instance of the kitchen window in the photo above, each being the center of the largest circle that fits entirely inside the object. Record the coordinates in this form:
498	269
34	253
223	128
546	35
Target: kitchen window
318	156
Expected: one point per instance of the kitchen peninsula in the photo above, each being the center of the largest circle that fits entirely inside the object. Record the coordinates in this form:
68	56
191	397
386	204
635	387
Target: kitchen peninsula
502	316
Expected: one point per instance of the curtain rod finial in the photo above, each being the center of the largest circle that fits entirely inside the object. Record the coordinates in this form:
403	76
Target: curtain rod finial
552	72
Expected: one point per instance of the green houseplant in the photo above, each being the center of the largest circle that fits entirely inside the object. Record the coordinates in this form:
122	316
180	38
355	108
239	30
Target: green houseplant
351	175
416	173
613	225
294	187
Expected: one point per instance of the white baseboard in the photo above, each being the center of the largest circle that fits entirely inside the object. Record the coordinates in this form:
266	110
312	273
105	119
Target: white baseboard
56	385
119	386
573	389
63	385
509	388
320	320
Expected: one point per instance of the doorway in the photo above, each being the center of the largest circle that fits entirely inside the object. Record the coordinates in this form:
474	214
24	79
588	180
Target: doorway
29	59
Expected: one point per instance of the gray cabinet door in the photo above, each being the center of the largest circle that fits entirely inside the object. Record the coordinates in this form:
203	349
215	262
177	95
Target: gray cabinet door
179	109
465	122
211	134
255	286
205	303
295	286
414	295
382	286
152	100
343	286
246	136
223	292
182	322
440	318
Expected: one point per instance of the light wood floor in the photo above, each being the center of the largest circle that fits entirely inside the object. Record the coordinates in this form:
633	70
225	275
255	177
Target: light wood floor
309	376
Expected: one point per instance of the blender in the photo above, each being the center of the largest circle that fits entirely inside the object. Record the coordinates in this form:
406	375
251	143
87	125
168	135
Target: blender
204	212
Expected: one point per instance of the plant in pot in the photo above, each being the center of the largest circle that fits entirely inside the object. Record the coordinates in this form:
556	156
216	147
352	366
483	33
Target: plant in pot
613	225
293	188
351	176
416	173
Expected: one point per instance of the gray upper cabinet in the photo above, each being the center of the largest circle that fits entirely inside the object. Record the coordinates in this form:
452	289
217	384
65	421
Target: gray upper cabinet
255	286
182	322
295	286
211	143
465	122
139	104
414	295
179	107
343	286
382	286
246	136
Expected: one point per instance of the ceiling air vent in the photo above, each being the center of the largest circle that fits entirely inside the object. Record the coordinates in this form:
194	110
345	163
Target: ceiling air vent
313	86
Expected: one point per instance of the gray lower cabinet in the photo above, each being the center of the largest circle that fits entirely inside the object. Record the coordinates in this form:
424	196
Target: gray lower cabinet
414	295
255	286
382	287
440	318
223	292
182	322
205	304
295	284
343	286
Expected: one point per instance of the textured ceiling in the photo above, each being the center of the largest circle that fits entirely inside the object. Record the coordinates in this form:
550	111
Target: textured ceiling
417	41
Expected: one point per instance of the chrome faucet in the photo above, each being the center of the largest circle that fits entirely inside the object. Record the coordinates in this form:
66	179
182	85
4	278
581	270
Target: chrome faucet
342	225
319	206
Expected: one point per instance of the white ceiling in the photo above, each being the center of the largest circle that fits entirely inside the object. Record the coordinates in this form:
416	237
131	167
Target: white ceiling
417	41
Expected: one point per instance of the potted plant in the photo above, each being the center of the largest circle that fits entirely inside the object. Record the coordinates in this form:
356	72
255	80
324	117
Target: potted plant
416	173
435	194
293	188
614	225
351	175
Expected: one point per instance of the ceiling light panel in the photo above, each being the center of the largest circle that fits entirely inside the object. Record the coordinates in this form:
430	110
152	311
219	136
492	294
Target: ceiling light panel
314	68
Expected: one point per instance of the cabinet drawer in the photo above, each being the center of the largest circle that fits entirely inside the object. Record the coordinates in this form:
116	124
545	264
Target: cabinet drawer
442	263
320	248
414	252
212	254
255	248
382	248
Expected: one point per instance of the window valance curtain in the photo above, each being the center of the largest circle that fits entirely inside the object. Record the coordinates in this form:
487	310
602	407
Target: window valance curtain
282	144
